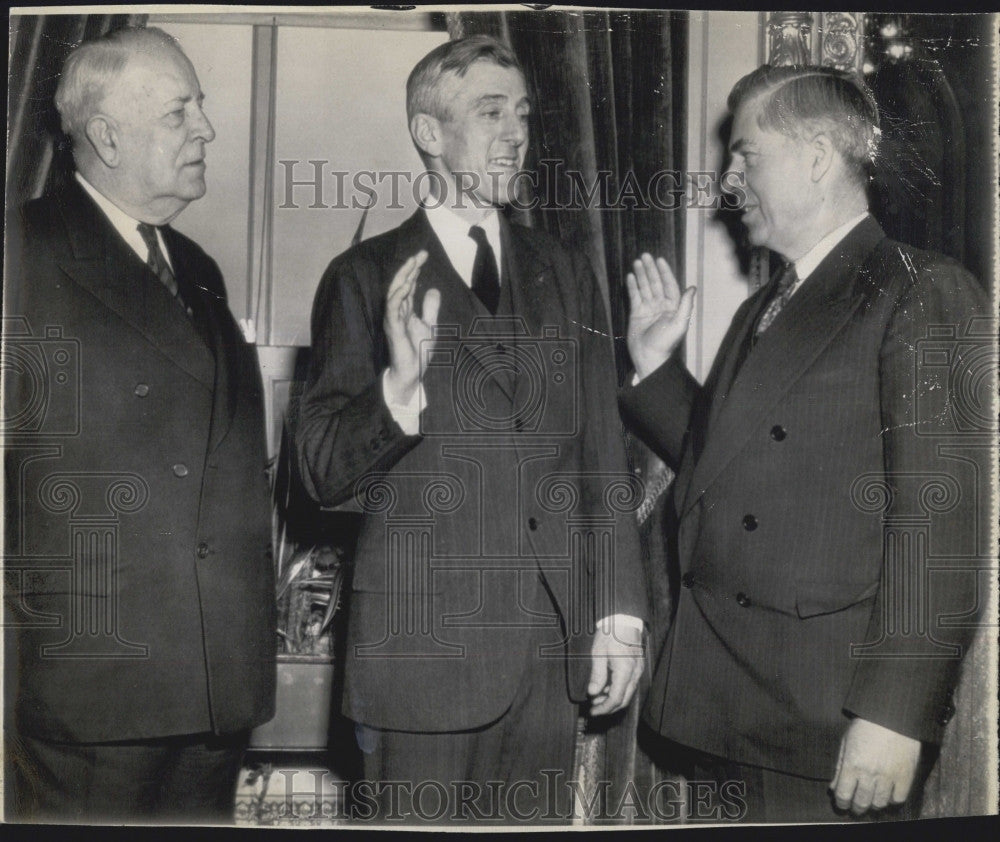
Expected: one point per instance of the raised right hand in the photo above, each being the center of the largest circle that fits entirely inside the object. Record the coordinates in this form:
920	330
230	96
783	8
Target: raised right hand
658	313
405	330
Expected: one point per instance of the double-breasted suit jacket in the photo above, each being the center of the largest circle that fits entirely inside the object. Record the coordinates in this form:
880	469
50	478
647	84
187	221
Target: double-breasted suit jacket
813	493
140	587
515	486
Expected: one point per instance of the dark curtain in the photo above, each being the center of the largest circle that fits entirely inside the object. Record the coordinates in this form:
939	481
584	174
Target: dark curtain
38	155
608	91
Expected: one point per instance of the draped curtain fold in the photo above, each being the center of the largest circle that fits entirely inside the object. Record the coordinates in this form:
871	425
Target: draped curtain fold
38	156
608	104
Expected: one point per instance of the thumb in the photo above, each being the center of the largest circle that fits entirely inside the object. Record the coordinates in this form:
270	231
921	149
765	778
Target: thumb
598	675
840	762
686	306
431	306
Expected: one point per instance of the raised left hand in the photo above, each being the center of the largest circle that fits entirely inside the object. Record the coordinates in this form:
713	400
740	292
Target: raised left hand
617	664
876	766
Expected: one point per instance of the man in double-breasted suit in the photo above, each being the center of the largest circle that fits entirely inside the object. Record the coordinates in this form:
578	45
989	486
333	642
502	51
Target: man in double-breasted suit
462	390
814	640
140	605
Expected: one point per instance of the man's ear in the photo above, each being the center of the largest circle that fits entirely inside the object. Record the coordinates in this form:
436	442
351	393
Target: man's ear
426	132
102	134
822	150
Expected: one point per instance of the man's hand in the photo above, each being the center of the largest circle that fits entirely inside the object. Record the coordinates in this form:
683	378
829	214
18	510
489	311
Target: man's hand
876	766
658	313
405	330
616	667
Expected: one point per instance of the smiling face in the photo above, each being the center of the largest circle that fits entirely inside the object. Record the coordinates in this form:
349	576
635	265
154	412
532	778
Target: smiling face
485	131
160	133
781	195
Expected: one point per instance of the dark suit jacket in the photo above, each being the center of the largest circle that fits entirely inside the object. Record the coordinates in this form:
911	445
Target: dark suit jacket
138	554
516	484
787	551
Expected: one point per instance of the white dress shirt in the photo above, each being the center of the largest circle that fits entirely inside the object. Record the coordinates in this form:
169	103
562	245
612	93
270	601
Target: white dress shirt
124	224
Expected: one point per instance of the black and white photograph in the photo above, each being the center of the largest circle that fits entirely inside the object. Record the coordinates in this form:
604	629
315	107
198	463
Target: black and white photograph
500	417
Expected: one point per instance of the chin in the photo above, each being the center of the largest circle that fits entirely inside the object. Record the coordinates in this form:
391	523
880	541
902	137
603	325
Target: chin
192	191
756	237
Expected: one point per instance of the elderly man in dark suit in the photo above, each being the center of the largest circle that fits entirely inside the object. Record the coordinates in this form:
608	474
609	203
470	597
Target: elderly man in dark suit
140	601
811	641
462	389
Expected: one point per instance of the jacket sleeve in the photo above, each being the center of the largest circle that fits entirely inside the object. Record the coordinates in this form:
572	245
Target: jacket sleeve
906	683
345	428
604	449
658	409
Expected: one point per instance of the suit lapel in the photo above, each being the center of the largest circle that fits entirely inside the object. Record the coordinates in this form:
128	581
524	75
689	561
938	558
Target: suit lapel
221	333
809	323
532	294
103	264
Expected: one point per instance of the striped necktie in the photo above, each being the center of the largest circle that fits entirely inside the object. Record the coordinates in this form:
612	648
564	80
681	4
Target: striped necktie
783	292
158	262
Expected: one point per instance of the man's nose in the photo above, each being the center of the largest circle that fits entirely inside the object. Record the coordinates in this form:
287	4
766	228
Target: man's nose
515	130
202	129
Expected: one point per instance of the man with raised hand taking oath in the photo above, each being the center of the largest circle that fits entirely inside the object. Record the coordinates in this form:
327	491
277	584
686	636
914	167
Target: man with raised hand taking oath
781	671
140	644
462	388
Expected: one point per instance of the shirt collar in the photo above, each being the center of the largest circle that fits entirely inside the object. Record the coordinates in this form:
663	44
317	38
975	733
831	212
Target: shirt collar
453	232
807	264
126	226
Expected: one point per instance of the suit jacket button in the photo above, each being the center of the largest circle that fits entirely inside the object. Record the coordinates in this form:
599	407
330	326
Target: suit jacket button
687	580
946	713
778	432
180	470
141	390
203	550
742	600
749	523
374	444
532	524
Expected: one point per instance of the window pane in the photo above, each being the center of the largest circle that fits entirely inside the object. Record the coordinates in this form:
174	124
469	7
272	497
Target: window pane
341	100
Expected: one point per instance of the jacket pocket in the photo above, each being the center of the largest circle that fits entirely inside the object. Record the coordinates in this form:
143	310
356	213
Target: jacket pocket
813	598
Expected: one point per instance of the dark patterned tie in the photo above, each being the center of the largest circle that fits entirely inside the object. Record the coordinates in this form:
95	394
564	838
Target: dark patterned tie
158	262
485	280
786	285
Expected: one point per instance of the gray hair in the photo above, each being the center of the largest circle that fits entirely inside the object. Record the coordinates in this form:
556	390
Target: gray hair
797	98
94	66
423	87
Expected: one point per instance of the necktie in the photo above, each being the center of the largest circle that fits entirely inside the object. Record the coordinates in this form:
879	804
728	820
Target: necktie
158	262
485	280
786	285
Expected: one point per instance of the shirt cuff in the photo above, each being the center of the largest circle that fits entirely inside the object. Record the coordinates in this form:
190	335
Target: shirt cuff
407	415
608	624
